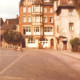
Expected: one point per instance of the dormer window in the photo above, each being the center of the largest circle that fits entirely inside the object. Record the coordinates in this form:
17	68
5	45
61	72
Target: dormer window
46	0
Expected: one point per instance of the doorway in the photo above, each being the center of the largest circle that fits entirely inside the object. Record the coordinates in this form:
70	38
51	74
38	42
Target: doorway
64	45
52	43
23	43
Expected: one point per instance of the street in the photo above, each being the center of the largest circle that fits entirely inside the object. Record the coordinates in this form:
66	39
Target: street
38	64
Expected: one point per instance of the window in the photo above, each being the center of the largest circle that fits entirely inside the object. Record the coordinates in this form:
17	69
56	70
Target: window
37	19
24	19
24	9
29	19
36	29
45	19
26	29
51	19
43	40
48	29
71	26
51	10
37	9
70	12
29	9
45	10
31	40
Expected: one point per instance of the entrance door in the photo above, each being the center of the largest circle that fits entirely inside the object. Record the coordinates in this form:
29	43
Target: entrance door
23	43
52	43
64	45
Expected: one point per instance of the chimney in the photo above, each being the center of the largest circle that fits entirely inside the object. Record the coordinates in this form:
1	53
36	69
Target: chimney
17	16
7	22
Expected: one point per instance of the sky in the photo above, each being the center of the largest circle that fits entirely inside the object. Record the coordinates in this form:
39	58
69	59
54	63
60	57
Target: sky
9	8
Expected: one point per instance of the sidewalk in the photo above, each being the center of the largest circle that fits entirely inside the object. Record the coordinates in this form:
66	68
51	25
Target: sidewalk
75	55
71	54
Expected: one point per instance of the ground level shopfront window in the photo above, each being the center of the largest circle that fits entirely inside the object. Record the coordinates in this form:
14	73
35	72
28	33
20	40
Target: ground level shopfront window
31	43
31	40
44	42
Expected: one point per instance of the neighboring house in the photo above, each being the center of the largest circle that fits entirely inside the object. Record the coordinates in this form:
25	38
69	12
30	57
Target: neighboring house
14	21
67	23
37	23
9	25
1	23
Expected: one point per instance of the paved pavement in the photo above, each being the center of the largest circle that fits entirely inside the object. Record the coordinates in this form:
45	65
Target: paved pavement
34	64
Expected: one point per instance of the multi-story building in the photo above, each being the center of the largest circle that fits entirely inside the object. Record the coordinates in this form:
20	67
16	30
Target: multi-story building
67	23
50	23
37	23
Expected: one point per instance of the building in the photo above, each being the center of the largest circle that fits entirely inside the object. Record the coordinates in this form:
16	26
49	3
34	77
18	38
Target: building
13	21
67	23
37	23
1	23
9	25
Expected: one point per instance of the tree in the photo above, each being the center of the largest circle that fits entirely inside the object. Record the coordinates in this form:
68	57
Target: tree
14	38
75	43
77	6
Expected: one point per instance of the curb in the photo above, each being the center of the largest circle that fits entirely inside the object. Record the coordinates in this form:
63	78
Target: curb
70	56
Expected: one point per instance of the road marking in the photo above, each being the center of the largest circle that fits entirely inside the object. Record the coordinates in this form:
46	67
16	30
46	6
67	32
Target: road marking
12	63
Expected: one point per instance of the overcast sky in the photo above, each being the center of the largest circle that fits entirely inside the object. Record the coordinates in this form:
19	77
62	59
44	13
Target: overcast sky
9	8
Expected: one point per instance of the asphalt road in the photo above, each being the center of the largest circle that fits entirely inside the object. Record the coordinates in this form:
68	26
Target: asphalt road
34	64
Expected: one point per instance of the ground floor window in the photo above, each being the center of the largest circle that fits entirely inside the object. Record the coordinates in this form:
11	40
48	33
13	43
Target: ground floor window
31	40
43	40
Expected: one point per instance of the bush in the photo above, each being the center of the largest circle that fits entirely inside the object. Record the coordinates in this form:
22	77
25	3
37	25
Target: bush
13	38
75	43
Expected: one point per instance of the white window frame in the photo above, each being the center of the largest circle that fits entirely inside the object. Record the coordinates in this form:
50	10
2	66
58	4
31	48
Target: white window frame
24	19
27	30
45	10
51	10
29	19
29	9
24	9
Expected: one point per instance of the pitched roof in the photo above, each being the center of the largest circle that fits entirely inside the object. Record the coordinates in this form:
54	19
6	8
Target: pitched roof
39	2
8	27
44	3
12	21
